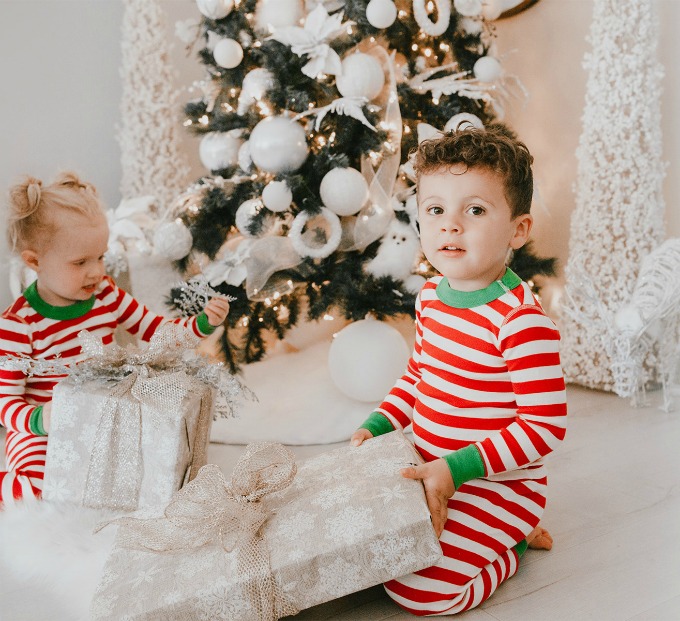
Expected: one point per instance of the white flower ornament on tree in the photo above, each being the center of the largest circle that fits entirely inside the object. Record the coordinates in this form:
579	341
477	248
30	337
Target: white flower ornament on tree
313	39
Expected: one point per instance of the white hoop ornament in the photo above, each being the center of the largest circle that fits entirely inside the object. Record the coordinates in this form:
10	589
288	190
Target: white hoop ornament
434	29
295	234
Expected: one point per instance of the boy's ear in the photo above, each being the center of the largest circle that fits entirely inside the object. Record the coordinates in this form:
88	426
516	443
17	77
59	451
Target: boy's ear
30	258
523	224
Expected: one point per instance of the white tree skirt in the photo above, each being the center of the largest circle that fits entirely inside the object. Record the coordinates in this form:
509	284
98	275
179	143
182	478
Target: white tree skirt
297	403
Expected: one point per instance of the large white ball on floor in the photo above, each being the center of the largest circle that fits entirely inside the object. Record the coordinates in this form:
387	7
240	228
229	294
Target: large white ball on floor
220	149
173	240
381	13
366	358
278	144
215	9
362	76
228	53
487	69
277	196
463	120
344	191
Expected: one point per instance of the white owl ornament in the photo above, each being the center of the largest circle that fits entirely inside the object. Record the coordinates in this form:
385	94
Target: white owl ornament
397	254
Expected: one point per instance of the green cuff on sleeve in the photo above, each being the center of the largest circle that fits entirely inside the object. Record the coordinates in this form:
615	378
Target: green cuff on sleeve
204	325
465	464
521	547
377	424
35	422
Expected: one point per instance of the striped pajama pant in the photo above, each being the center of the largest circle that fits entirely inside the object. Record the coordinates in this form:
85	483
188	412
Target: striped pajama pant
485	520
25	454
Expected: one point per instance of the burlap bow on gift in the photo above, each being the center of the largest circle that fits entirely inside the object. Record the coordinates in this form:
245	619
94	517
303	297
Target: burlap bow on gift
210	510
157	376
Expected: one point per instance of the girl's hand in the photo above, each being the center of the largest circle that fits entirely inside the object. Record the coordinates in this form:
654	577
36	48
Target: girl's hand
359	436
47	416
216	310
438	483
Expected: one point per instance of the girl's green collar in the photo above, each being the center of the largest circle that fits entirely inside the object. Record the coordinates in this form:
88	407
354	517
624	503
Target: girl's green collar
470	299
72	311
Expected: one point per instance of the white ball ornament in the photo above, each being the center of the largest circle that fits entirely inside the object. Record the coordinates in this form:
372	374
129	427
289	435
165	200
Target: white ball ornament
344	191
366	358
245	162
219	150
487	69
215	9
255	84
245	213
463	120
173	240
362	76
228	53
271	15
492	9
278	145
277	196
468	8
381	13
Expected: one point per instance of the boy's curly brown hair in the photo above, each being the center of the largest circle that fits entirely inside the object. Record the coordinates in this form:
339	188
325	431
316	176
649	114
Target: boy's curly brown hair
495	148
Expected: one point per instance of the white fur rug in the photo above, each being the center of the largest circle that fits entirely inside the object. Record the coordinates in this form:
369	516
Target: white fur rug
50	560
297	403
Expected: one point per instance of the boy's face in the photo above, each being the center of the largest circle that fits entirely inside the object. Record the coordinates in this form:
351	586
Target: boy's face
466	227
70	265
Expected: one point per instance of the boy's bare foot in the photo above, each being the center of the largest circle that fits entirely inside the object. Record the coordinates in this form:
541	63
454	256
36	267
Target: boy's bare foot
539	539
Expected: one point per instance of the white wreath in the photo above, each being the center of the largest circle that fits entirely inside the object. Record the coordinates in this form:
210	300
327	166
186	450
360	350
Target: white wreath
434	29
321	252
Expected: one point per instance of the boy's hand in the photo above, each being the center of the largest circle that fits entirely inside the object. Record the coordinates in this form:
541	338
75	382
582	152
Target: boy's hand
436	478
359	436
216	311
47	416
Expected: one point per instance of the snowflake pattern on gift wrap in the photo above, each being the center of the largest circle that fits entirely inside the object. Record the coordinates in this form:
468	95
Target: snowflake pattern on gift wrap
63	454
221	603
144	576
330	477
391	494
319	463
384	467
338	578
58	490
88	433
102	606
294	526
333	496
346	525
393	552
190	565
65	414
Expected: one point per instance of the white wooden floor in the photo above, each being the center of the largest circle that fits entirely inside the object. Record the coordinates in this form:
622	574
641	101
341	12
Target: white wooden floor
613	510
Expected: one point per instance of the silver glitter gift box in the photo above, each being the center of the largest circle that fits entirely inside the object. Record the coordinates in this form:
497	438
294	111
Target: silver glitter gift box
271	542
126	444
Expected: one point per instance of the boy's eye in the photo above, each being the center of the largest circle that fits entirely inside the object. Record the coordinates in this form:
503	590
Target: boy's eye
476	210
435	210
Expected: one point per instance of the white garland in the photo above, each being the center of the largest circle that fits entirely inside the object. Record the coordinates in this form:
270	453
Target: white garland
152	160
619	211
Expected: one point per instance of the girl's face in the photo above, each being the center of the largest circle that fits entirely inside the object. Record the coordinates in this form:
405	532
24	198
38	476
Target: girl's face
466	225
70	265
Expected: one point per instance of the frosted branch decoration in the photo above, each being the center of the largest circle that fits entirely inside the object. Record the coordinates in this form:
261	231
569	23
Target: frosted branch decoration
349	106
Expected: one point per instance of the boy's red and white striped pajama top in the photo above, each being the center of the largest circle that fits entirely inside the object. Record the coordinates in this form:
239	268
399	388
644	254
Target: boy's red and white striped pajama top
487	374
25	331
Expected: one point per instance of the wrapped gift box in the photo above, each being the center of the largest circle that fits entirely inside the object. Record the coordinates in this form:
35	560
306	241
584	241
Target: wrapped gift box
122	449
348	521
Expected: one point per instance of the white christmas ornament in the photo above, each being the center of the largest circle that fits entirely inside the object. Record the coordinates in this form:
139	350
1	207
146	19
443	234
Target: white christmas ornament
277	196
468	8
422	17
245	213
245	162
228	53
463	120
344	191
397	253
255	84
362	76
487	69
173	240
220	149
278	144
305	233
366	358
381	13
215	9
492	9
271	15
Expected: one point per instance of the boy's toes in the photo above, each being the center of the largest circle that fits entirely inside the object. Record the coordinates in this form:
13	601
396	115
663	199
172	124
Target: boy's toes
540	539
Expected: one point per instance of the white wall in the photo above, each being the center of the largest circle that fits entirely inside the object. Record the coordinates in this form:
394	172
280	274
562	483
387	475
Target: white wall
59	62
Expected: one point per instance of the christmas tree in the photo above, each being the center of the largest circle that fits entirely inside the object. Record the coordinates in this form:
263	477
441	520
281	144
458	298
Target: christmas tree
308	114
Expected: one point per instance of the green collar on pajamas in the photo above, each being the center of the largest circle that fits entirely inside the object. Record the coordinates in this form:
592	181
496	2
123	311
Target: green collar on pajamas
72	311
470	299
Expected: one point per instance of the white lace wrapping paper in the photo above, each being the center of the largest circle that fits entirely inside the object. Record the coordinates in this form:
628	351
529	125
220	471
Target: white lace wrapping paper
348	521
173	441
